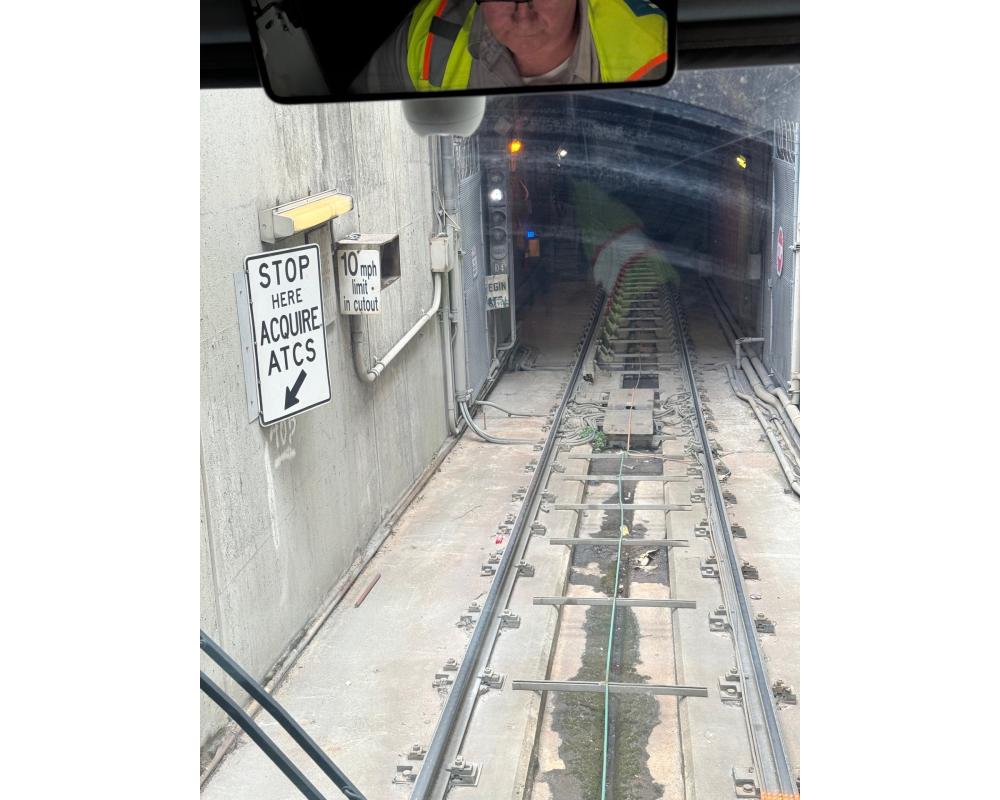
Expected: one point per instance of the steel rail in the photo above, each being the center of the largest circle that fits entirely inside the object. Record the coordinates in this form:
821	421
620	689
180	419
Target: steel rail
433	779
771	760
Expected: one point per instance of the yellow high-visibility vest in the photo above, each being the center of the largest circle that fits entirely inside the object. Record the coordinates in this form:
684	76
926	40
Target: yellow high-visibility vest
630	37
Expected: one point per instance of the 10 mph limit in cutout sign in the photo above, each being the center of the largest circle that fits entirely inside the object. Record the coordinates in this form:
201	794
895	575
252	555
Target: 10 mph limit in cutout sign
289	333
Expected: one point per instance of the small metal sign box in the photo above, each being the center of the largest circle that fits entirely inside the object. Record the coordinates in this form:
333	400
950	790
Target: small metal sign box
289	331
365	264
497	294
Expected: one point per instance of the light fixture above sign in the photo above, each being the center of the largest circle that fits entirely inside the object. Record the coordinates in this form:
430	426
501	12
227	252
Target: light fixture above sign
301	215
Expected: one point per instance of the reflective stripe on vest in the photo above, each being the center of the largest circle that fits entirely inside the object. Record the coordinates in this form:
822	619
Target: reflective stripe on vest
630	37
439	29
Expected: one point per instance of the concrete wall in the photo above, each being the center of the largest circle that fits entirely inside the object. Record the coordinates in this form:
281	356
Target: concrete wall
286	509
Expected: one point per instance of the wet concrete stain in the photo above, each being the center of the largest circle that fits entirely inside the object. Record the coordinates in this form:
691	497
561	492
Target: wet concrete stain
579	717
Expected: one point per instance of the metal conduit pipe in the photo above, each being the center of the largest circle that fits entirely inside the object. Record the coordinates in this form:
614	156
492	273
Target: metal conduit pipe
772	401
504	410
790	409
789	475
483	434
451	407
788	412
370	374
757	385
446	314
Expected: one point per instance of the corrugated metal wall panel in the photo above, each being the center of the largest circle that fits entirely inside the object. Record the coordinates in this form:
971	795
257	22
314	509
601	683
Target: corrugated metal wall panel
780	292
474	267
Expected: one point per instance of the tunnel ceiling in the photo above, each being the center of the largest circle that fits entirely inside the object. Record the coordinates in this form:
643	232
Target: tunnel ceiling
664	158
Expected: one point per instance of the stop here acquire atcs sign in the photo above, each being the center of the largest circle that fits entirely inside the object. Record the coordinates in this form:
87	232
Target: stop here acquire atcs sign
289	331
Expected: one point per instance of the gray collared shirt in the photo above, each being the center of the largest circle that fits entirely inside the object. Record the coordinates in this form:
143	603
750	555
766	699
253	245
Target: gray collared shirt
492	63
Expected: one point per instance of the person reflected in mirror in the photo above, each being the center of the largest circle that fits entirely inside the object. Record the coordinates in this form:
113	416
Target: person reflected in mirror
482	44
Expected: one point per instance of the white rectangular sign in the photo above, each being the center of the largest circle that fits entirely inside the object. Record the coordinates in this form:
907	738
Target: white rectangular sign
289	332
359	277
497	295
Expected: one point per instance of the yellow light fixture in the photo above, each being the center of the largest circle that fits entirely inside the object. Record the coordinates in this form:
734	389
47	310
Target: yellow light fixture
515	146
301	215
742	161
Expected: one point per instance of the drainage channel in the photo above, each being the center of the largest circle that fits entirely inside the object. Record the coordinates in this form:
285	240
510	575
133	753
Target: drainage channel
773	773
604	716
435	776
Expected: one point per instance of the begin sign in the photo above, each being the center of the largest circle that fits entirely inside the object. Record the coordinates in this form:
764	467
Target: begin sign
497	293
289	331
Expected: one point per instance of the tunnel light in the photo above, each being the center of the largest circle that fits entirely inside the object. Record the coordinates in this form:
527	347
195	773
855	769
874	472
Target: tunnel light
496	196
742	161
562	152
514	146
301	215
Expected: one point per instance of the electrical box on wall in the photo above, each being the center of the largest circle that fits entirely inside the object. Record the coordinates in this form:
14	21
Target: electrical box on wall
440	260
365	264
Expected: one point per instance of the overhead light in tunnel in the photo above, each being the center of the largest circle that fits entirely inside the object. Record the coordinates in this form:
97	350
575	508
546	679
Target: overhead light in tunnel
496	195
514	146
562	152
742	161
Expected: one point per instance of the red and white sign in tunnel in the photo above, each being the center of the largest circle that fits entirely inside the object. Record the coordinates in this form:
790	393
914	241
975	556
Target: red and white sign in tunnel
780	251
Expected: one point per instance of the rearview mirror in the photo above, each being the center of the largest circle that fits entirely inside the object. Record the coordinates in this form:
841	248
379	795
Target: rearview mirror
311	51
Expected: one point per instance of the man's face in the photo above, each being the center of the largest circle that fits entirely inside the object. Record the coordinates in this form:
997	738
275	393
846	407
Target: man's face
522	25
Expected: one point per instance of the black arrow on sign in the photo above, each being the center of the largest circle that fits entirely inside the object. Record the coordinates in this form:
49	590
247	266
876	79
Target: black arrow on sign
291	395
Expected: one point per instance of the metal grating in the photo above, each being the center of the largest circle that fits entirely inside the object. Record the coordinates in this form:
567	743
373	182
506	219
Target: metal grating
474	266
779	318
466	151
645	381
786	140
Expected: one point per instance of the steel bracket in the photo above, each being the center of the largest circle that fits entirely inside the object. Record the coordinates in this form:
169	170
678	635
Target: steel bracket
508	619
416	752
718	620
783	693
763	624
442	680
745	782
464	773
710	567
491	678
731	687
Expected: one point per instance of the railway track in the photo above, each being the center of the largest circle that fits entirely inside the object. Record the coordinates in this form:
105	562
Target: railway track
774	774
638	336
